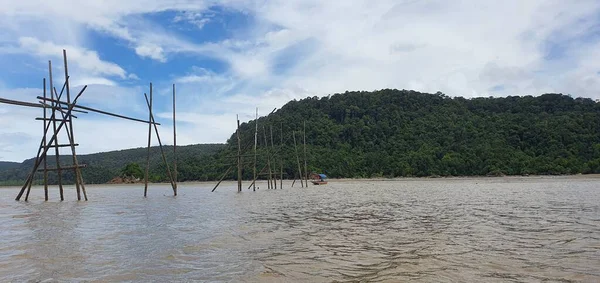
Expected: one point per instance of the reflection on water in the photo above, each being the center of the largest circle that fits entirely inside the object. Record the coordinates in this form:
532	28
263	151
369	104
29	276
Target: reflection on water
471	230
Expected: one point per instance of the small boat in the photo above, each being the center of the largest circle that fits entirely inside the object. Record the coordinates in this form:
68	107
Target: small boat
319	179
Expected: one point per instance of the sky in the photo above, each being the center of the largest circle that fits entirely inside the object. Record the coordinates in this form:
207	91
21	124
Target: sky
228	57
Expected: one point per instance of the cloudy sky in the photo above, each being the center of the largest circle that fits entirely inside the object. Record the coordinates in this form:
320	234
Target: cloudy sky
228	57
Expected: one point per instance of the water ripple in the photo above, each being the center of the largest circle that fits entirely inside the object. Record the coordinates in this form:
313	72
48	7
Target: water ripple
471	230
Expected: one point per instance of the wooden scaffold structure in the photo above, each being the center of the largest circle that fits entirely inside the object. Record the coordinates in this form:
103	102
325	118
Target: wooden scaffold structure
272	156
65	121
57	117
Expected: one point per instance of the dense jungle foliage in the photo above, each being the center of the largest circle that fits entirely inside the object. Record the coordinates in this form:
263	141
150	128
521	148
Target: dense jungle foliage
389	133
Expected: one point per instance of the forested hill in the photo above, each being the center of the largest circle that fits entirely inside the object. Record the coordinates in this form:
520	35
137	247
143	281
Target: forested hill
386	133
391	133
8	165
102	167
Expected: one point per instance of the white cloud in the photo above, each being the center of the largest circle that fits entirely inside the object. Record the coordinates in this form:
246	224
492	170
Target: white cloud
152	51
117	99
18	126
86	60
195	18
202	75
296	48
92	81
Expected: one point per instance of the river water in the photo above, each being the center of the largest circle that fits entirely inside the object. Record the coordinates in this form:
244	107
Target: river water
432	230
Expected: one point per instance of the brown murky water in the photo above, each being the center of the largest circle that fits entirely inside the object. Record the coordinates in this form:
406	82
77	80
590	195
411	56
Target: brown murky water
472	230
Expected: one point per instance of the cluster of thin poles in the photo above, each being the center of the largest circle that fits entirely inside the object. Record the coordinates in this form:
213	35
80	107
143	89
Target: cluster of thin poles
271	152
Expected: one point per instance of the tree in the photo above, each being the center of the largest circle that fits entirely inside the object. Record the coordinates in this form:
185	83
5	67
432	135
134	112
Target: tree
132	170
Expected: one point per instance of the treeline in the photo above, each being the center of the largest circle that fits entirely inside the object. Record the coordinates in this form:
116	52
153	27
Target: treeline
388	133
391	133
102	167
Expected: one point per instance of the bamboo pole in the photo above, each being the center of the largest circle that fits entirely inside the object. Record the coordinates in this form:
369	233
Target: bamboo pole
297	160
305	162
64	167
259	173
255	144
78	178
222	177
281	159
53	139
76	166
269	184
239	158
57	153
149	140
63	145
242	155
32	174
86	108
162	152
273	148
29	187
174	143
262	170
44	144
235	164
47	119
36	105
45	170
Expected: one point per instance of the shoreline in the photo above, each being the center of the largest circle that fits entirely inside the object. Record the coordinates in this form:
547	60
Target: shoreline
395	179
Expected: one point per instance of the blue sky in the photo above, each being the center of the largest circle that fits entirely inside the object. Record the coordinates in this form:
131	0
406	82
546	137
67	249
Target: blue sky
228	57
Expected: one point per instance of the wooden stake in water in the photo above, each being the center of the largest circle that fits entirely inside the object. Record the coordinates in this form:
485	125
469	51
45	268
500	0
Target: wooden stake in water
275	170
305	162
222	177
75	166
44	144
56	151
269	176
174	143
255	144
78	177
162	152
297	160
239	156
149	140
281	158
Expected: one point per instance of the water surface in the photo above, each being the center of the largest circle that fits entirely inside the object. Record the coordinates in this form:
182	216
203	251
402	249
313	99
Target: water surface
459	230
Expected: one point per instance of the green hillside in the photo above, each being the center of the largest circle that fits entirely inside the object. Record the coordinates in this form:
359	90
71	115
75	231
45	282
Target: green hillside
8	165
389	133
102	167
406	133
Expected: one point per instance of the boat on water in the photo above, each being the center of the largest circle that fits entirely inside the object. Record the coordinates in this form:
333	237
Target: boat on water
319	179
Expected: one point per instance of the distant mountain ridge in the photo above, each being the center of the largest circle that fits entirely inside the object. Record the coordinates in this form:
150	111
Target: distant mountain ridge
385	133
102	167
8	165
